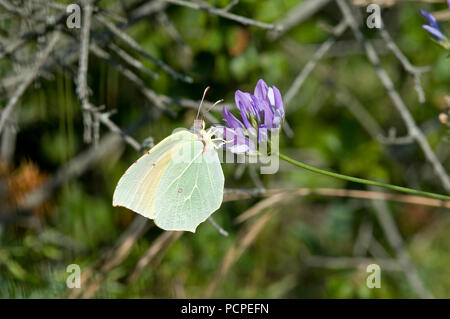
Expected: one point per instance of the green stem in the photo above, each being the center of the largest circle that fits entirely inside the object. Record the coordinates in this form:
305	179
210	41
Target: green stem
363	181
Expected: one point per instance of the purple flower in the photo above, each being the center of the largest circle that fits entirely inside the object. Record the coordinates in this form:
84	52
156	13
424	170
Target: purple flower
262	113
433	26
237	141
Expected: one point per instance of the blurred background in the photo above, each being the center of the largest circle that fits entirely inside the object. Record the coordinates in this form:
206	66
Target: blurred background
80	105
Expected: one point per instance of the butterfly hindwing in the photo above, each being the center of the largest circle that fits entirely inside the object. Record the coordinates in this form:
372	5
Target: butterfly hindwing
191	188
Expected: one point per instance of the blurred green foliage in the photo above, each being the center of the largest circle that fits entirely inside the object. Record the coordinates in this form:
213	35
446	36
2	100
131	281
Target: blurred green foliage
79	223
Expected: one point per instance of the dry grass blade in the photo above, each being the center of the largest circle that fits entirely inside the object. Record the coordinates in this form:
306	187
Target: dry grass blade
394	238
260	206
112	258
351	262
159	247
245	238
239	194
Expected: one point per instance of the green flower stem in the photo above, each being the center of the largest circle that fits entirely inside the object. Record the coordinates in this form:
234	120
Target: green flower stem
363	181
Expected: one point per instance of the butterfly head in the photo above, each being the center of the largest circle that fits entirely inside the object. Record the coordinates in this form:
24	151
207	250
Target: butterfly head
199	126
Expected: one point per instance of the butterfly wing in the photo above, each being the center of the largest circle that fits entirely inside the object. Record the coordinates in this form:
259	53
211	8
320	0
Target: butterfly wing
191	188
137	188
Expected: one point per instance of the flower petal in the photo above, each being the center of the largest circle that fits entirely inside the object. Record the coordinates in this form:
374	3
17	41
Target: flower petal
244	104
431	19
230	119
278	100
265	110
236	141
261	90
263	134
434	32
277	119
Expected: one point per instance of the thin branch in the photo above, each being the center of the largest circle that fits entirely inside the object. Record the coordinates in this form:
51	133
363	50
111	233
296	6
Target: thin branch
364	238
388	3
224	14
104	118
110	259
80	163
367	121
159	246
41	59
74	168
9	7
131	60
30	35
416	72
261	206
359	112
133	44
165	22
350	262
238	194
231	5
400	105
82	87
323	49
245	238
222	231
395	240
148	93
300	13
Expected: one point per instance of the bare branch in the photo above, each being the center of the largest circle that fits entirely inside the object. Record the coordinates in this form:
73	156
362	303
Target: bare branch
133	44
237	194
131	60
303	75
231	5
350	262
224	14
395	240
41	59
412	127
82	87
222	231
302	12
111	259
245	238
416	72
159	246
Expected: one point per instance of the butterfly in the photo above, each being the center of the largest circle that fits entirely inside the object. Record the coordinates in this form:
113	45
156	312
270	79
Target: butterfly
179	182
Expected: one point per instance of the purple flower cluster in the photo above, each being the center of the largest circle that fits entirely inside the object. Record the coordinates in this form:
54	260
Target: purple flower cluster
262	113
433	26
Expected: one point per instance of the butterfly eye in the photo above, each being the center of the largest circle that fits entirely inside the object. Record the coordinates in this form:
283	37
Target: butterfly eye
198	125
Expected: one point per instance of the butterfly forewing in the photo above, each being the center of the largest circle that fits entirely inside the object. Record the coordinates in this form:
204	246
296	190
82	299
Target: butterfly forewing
137	188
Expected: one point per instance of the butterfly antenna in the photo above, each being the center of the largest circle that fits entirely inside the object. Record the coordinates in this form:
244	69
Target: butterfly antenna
220	101
201	103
